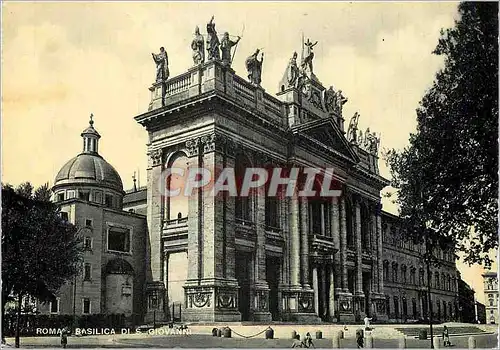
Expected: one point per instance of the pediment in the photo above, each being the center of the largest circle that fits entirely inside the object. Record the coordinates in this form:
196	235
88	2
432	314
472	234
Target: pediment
326	135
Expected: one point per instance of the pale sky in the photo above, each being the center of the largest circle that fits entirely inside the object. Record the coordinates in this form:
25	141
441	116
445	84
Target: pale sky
63	61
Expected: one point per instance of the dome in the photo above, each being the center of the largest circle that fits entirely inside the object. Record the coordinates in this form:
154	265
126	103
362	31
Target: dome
87	168
118	266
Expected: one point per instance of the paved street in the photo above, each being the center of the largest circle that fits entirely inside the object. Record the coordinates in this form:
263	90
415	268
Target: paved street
488	341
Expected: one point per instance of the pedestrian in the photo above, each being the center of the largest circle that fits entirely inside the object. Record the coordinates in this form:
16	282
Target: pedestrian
308	341
360	338
297	343
446	337
64	337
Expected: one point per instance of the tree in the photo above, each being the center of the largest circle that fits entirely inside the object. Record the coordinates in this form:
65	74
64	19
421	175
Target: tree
40	251
446	179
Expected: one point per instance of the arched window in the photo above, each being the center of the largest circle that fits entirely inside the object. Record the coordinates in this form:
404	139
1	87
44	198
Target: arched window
412	275
394	272
403	273
176	204
421	277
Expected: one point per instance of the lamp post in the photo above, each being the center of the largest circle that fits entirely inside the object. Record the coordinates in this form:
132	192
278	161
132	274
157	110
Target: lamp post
429	279
427	258
74	303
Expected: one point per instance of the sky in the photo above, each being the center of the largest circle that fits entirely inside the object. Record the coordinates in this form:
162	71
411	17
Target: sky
63	61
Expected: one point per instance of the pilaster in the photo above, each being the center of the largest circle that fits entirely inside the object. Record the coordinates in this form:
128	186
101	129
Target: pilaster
304	253
211	291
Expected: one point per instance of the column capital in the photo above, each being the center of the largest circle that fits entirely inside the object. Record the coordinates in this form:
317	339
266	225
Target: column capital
155	157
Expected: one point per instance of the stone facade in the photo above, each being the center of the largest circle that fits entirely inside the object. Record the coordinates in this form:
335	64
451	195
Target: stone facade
318	259
89	193
101	284
405	278
220	258
490	279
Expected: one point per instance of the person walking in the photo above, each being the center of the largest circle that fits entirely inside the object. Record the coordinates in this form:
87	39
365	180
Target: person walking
446	337
308	341
64	337
360	338
297	343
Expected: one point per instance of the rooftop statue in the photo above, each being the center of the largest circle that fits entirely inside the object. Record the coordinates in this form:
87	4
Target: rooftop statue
353	128
367	140
293	71
161	61
225	47
372	142
212	41
198	46
340	101
307	64
254	67
329	97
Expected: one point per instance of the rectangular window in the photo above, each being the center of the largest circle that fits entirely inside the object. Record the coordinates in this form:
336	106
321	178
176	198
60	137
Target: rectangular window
54	306
119	239
87	243
71	194
88	222
64	216
86	306
84	195
60	196
272	212
98	197
87	272
109	201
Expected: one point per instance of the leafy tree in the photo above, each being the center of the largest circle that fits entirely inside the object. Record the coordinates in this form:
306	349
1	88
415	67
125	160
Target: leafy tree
446	179
40	251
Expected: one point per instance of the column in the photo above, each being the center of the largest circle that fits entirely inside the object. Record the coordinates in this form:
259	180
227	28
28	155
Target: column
305	242
294	242
260	253
379	250
335	232
334	223
421	302
322	219
195	219
324	290
229	223
154	216
374	250
359	252
331	297
316	289
343	244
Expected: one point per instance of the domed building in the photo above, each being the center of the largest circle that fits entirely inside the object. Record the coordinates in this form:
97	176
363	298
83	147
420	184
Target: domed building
88	176
90	194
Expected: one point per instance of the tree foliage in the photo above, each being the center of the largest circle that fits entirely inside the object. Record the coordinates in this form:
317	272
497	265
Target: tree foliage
40	251
446	179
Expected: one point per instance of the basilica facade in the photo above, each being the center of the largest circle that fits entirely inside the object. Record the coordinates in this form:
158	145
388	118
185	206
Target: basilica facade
257	257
